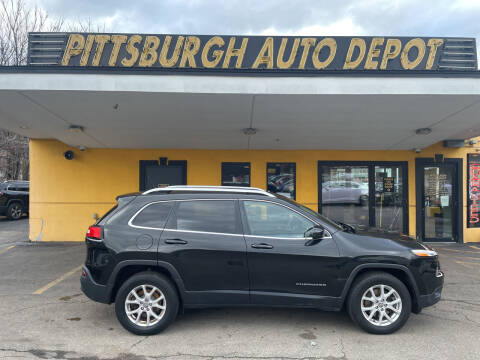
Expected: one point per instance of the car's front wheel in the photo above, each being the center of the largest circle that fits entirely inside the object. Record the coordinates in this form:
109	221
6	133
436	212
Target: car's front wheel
146	303
15	211
379	303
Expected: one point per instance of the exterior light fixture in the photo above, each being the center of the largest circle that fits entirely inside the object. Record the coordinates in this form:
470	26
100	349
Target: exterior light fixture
249	131
115	107
423	131
75	128
23	127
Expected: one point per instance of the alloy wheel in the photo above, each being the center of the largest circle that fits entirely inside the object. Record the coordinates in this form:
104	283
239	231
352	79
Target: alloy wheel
16	211
145	305
381	305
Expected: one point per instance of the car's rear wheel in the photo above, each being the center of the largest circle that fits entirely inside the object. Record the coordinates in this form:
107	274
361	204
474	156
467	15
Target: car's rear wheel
15	211
379	303
146	303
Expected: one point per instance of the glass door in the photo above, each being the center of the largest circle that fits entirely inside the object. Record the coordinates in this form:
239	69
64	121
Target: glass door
389	198
440	203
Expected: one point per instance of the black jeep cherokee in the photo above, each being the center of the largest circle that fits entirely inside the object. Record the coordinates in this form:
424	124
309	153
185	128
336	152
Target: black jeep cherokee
189	247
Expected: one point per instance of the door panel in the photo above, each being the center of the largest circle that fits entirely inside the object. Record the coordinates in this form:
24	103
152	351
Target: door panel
283	270
212	264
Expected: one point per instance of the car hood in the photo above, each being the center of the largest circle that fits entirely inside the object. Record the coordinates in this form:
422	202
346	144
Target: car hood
357	243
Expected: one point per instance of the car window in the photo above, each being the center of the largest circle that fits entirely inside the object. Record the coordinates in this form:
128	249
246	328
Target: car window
217	216
269	219
154	215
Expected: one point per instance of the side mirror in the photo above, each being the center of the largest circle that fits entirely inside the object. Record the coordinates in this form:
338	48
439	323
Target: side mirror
316	234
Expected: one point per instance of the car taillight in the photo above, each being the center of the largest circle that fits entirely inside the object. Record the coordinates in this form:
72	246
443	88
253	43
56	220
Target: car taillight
94	232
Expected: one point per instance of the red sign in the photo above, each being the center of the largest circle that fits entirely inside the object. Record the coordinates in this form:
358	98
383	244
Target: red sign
473	219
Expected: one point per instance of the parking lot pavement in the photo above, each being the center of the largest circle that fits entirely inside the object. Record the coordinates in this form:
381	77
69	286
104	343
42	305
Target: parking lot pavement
61	323
12	232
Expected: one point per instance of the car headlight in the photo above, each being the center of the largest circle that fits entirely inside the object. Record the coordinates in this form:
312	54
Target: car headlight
424	253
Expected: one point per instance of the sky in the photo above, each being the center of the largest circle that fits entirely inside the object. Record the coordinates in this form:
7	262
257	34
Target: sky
276	17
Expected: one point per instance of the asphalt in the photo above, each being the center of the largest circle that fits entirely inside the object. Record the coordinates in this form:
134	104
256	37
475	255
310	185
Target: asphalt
61	323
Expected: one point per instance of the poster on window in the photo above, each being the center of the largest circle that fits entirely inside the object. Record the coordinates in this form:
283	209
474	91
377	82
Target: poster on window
473	185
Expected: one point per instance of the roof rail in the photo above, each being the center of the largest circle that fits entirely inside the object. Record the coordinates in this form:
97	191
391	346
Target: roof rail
227	189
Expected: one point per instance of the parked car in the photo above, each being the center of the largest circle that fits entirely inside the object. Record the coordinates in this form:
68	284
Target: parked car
14	199
344	192
193	247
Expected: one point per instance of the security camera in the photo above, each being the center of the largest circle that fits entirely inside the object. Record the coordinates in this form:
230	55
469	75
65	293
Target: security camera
418	151
69	155
82	148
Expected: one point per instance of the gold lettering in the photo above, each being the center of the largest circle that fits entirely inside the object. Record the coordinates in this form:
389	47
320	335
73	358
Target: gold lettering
392	50
307	43
405	60
238	53
332	45
355	43
373	52
100	40
87	50
433	44
74	47
117	41
176	52
192	45
265	55
132	50
149	52
216	54
286	64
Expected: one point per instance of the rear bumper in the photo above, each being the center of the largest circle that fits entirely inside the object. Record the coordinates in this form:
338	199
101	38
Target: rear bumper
92	290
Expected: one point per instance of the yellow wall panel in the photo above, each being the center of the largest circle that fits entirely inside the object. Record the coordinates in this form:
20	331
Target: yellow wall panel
65	194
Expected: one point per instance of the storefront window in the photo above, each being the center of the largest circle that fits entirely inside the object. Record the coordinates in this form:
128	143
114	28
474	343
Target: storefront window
235	174
281	179
345	194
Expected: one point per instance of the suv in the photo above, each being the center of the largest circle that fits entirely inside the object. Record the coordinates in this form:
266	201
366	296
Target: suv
14	199
193	247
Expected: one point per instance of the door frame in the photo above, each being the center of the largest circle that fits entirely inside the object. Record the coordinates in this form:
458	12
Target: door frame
457	226
144	163
371	185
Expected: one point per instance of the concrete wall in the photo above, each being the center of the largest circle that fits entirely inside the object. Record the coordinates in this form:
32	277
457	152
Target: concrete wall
64	195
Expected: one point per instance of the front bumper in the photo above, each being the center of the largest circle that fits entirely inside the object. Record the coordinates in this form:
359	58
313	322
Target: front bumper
92	290
434	297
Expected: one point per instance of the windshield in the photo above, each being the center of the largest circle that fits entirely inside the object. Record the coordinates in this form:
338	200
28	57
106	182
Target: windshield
311	212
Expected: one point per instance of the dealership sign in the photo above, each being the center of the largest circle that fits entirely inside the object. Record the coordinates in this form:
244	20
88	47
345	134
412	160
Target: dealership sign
251	53
473	190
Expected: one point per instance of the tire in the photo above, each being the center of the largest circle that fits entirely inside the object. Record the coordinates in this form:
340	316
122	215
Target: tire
14	211
369	285
138	283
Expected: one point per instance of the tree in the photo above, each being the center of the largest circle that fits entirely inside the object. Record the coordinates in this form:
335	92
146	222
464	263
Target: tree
17	19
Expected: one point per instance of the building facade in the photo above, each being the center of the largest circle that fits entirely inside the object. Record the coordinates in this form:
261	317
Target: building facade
379	133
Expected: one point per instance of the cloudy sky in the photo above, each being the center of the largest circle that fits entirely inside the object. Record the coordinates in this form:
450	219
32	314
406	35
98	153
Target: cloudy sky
302	17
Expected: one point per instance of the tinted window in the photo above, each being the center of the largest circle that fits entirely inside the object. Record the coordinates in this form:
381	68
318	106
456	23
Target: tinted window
207	215
268	219
154	215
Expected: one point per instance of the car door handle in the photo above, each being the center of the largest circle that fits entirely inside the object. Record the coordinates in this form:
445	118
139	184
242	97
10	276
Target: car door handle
262	246
176	241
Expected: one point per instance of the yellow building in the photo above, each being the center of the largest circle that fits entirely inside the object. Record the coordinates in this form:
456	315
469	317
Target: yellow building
389	149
